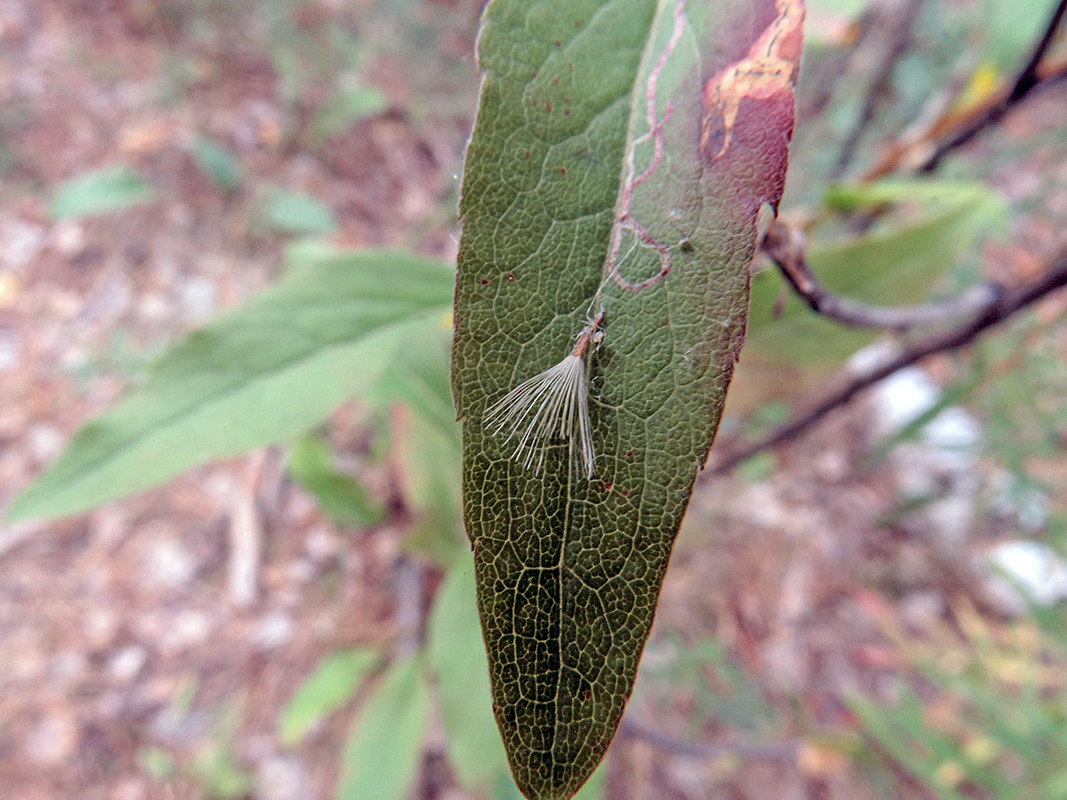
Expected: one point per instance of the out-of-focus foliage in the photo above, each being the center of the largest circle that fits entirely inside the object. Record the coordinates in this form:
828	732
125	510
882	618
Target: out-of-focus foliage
296	212
256	376
99	192
217	163
386	742
994	724
340	496
333	683
925	230
457	654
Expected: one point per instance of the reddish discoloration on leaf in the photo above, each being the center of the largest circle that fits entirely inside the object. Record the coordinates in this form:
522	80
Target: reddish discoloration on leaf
748	105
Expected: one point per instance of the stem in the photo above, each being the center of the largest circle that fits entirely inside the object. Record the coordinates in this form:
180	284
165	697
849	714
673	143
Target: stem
784	245
1028	78
1002	307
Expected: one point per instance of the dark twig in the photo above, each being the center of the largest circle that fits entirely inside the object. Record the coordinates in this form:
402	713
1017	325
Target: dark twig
1026	81
784	751
900	38
1004	306
785	245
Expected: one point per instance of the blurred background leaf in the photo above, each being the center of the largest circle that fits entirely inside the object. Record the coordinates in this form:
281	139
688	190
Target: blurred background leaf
99	192
457	655
331	685
386	741
217	163
347	108
258	375
296	212
340	496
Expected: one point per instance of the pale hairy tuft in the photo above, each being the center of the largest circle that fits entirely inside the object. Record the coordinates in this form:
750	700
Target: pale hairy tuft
551	406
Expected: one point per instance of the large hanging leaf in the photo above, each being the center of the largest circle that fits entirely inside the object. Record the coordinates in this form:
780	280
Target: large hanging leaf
261	374
568	212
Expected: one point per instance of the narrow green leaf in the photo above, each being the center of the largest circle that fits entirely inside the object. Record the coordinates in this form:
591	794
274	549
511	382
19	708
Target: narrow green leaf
296	212
217	163
428	461
348	108
418	377
569	212
1009	29
259	375
457	654
98	192
333	683
425	444
311	466
382	756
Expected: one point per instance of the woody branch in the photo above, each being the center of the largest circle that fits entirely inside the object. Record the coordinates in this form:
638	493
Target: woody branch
1003	305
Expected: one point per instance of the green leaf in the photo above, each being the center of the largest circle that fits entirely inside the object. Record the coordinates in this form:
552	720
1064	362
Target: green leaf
1009	28
98	192
333	683
348	108
505	789
382	755
457	654
259	375
296	212
569	568
302	252
425	444
217	163
418	377
155	762
222	776
311	466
